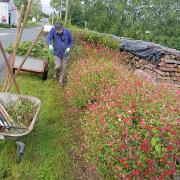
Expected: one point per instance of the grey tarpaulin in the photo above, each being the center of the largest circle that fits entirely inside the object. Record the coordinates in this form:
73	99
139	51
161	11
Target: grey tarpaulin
145	50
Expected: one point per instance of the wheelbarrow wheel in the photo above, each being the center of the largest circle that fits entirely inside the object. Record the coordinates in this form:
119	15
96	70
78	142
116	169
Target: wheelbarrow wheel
20	151
45	74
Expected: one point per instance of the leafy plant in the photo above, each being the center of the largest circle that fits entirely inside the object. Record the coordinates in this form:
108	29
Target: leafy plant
39	50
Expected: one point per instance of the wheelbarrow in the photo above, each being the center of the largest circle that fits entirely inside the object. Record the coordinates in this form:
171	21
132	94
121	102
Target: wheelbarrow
32	65
7	100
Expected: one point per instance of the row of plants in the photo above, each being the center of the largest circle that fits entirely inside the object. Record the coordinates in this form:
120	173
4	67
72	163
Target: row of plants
130	125
2	25
96	38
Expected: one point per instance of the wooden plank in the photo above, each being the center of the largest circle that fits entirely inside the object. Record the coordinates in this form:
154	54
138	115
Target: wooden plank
165	69
9	67
169	61
152	68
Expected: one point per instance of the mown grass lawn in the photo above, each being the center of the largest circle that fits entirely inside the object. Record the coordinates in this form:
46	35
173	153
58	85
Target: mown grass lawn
47	147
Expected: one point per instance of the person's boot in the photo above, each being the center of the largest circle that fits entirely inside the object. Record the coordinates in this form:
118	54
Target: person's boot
61	83
56	74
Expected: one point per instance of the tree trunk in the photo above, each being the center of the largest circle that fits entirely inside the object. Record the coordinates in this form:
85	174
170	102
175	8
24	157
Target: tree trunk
67	7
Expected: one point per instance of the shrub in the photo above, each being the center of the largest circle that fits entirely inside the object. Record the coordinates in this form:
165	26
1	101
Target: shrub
29	23
96	38
5	25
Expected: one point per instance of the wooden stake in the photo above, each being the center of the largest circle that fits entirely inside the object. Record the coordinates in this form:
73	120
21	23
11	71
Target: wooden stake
9	67
18	33
8	78
21	31
6	115
28	53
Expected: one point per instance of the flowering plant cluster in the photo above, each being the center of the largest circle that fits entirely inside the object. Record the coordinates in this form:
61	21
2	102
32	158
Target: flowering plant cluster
130	126
96	38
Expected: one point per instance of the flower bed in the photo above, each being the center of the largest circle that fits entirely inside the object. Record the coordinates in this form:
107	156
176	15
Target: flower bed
130	126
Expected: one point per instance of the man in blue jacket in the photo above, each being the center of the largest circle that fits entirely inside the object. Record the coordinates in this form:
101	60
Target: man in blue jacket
60	41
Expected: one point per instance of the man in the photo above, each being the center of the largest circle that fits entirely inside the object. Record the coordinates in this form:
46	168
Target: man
60	41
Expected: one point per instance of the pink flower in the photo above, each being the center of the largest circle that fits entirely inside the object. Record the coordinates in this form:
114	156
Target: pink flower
145	146
178	92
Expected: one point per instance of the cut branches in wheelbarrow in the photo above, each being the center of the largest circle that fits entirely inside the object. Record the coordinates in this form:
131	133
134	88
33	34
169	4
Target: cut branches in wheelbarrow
23	121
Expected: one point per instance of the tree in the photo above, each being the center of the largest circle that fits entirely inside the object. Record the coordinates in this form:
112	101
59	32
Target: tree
18	3
36	9
153	20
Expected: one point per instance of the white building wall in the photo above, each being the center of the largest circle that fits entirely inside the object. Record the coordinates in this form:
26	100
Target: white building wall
13	12
4	11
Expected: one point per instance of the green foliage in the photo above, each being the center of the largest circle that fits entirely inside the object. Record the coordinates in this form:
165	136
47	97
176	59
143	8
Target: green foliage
39	50
29	23
18	3
96	38
36	9
157	21
5	25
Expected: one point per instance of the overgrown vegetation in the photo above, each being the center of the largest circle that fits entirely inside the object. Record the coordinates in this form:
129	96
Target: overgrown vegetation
39	50
22	113
130	126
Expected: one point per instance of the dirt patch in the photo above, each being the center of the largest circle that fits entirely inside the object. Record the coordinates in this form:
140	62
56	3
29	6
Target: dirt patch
81	169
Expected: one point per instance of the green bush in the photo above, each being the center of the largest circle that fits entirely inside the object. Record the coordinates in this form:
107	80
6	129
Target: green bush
32	24
96	38
5	25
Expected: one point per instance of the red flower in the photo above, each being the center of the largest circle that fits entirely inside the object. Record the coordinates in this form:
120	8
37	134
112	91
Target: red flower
147	173
145	146
102	120
126	165
123	160
170	148
139	164
151	165
170	172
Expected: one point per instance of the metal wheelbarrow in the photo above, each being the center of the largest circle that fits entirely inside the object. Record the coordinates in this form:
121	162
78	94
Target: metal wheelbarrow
7	100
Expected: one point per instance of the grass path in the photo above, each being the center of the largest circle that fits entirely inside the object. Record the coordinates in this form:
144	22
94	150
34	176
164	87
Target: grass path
47	155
